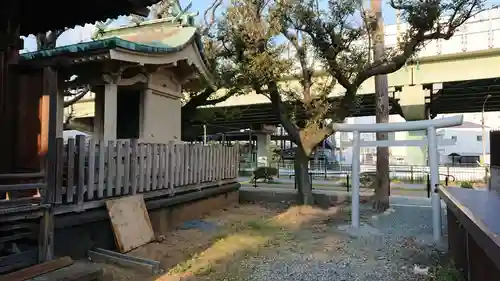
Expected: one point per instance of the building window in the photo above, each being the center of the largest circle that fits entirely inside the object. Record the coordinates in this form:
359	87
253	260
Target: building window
454	138
479	138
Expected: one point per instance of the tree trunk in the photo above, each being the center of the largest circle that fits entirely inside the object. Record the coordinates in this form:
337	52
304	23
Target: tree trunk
381	199
304	185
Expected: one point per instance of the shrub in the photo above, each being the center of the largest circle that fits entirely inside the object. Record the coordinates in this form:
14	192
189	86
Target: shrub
266	173
466	184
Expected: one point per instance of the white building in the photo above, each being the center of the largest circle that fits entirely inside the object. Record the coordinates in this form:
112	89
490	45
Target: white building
468	148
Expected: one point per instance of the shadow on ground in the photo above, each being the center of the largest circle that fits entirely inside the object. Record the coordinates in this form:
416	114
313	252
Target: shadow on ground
277	241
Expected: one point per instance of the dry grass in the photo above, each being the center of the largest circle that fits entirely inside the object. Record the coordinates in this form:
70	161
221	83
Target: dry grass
244	232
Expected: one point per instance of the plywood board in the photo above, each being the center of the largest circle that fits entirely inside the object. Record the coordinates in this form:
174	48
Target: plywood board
130	220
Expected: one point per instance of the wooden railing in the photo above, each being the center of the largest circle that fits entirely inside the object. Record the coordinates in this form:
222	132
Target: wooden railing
21	188
90	170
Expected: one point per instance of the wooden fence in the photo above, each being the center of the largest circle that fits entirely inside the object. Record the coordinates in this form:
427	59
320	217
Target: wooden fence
89	170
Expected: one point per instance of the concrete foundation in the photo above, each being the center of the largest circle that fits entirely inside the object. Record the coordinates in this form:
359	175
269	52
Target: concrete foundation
165	219
77	233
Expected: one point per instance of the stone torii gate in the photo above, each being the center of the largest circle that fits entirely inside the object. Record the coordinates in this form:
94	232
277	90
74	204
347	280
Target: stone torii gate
431	142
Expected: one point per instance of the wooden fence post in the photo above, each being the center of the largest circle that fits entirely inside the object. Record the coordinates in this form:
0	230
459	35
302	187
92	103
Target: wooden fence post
171	166
133	167
91	169
59	168
80	187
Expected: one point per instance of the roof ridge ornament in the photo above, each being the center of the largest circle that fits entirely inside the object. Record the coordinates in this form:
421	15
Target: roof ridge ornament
176	13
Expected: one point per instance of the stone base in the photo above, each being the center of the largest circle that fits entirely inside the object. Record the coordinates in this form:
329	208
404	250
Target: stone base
166	219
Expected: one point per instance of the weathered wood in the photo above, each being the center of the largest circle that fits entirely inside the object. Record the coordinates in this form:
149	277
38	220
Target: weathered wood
171	166
185	159
126	168
91	169
70	190
80	188
110	173
51	83
149	160
133	167
204	165
142	168
197	163
102	169
22	176
119	167
46	236
37	269
59	170
130	221
175	163
154	166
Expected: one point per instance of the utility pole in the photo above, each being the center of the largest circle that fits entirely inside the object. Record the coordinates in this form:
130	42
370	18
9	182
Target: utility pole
381	111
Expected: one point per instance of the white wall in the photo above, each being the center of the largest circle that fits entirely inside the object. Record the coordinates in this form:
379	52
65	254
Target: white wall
467	143
162	118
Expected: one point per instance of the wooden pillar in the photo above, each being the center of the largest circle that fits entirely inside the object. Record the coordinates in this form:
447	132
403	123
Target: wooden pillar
10	44
46	244
110	111
28	155
99	113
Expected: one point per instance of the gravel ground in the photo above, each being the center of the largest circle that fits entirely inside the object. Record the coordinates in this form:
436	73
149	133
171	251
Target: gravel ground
397	242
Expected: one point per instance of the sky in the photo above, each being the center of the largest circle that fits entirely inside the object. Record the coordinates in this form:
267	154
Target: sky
82	34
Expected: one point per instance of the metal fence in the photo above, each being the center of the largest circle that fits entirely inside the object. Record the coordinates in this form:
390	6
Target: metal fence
414	174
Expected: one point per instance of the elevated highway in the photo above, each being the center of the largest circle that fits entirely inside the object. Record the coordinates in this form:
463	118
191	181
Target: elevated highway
446	77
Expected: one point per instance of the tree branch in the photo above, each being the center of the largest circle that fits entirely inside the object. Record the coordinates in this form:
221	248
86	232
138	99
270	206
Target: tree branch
76	97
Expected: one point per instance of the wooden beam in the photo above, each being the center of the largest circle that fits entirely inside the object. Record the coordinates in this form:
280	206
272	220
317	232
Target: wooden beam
37	270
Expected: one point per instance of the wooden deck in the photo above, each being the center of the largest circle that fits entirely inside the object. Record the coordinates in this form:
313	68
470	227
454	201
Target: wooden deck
474	231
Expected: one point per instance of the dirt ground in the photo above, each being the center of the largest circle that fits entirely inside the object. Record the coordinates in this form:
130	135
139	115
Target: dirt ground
243	231
252	241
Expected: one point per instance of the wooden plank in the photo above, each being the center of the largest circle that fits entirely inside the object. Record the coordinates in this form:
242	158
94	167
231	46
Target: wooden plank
133	167
59	170
213	155
142	168
78	271
170	166
101	169
91	169
110	169
130	221
161	167
126	168
70	170
154	166
224	162
80	187
37	270
119	168
187	165
204	165
175	165
46	236
149	161
197	164
179	167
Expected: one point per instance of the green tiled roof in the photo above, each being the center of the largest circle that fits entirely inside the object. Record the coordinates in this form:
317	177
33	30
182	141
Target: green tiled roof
173	41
